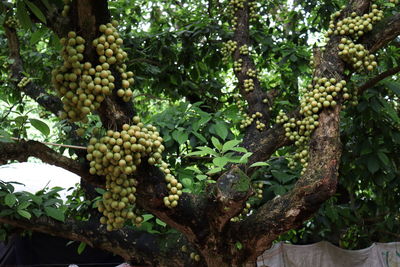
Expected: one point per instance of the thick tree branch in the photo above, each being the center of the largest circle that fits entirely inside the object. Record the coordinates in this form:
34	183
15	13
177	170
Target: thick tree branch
132	245
22	150
254	97
319	181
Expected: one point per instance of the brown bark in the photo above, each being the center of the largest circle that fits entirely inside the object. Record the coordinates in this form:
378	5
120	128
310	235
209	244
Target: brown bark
130	244
254	98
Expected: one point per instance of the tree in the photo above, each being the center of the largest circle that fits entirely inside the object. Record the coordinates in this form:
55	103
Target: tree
181	67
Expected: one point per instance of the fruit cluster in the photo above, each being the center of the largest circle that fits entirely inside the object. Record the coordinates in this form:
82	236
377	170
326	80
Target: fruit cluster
258	189
254	16
237	65
318	96
248	120
228	48
78	101
244	212
193	255
12	22
117	156
251	73
108	47
356	55
260	125
66	8
248	85
355	26
244	50
82	86
23	82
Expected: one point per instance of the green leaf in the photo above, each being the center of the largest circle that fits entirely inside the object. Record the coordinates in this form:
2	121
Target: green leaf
208	150
201	177
100	190
203	120
47	4
221	130
147	217
259	164
282	176
216	143
23	15
24	214
36	36
393	86
278	189
201	137
6	212
187	182
194	169
372	164
37	199
10	200
384	159
21	120
196	153
180	136
245	157
220	161
214	170
239	149
159	222
41	126
55	213
229	145
239	245
81	248
35	10
24	205
37	212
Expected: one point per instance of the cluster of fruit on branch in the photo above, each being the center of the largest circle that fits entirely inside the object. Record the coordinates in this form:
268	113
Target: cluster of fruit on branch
83	86
117	156
326	92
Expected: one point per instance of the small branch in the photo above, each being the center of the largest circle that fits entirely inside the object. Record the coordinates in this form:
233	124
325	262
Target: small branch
377	79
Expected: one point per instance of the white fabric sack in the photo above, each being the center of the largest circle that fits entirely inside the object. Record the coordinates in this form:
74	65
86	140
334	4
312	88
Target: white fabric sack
324	254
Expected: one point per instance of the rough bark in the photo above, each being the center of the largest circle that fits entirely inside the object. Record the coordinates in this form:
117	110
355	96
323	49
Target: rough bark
255	97
130	244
